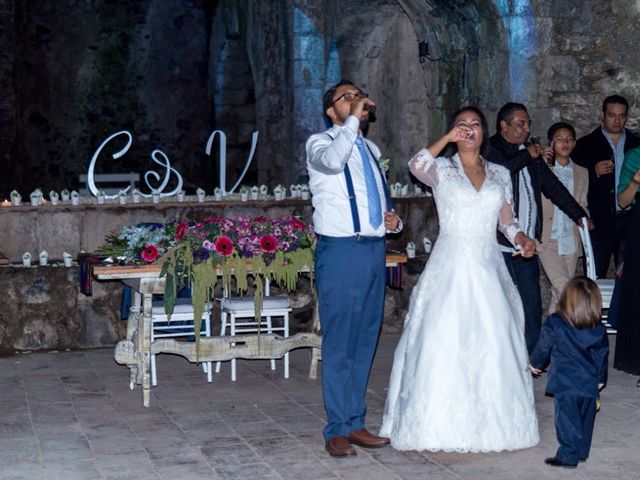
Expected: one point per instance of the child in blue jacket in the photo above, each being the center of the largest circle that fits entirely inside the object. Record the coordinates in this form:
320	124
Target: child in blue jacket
575	341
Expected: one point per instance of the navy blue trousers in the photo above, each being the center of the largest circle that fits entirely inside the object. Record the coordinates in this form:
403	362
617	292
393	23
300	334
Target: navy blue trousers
574	418
350	281
609	243
614	307
525	273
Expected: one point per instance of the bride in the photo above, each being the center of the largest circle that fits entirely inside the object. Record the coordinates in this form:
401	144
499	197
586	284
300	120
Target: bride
459	379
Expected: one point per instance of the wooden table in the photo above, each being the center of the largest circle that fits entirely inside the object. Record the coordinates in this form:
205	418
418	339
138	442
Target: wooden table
136	350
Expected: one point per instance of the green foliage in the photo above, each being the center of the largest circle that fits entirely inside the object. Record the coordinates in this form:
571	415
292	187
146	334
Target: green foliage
180	270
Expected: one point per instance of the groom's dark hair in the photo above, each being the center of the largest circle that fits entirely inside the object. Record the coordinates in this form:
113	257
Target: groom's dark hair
327	98
451	149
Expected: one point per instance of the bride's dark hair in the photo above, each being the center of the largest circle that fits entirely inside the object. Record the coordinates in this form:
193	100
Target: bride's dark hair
451	149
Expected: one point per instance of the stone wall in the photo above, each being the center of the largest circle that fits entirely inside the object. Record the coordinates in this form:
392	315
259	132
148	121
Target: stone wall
588	53
75	72
172	71
42	307
70	228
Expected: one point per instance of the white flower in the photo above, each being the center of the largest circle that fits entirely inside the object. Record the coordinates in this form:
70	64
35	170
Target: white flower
384	163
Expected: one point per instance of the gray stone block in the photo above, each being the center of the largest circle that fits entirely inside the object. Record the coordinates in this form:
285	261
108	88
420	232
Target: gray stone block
59	233
19	225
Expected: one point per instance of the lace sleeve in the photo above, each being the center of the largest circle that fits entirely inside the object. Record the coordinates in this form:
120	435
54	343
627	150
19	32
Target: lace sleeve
508	223
423	166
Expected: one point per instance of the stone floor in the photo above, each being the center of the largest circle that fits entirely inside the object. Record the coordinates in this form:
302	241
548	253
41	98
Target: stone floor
72	416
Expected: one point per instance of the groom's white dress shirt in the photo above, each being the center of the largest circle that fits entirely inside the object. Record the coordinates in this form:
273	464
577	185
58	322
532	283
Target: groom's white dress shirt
327	154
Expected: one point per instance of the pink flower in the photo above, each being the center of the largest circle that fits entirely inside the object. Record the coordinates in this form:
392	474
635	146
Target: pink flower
181	229
226	223
207	245
244	241
268	243
243	232
150	253
224	246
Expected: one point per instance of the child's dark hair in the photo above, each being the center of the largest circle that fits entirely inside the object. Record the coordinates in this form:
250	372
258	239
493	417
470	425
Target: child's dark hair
558	126
581	303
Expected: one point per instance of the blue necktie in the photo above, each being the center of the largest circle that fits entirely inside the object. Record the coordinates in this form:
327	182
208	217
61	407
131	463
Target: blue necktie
373	196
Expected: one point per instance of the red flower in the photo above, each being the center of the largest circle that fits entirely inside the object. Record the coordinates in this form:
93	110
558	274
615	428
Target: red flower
297	225
268	243
150	253
181	229
224	246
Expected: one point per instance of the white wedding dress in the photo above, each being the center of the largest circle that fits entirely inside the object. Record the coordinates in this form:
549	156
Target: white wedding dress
459	380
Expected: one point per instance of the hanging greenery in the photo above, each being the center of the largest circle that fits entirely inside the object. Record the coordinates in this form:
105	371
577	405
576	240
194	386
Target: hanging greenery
274	249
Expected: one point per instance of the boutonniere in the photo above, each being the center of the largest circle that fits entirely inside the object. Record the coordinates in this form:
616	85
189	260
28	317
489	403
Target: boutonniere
384	163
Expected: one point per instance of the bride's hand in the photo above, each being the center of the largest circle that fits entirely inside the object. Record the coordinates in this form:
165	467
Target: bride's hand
536	372
460	133
526	244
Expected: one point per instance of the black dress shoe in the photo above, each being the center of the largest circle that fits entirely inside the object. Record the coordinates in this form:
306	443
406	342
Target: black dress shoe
554	462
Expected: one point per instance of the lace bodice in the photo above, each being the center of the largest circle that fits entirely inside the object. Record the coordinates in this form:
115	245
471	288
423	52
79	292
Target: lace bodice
462	210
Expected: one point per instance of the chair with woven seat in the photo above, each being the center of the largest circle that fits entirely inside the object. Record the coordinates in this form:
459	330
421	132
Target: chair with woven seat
605	285
181	324
238	315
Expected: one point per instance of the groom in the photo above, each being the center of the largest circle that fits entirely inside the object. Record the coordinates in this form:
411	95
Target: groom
352	213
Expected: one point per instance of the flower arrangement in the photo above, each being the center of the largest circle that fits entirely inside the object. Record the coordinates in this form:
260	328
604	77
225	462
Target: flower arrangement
144	243
220	238
191	253
275	248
